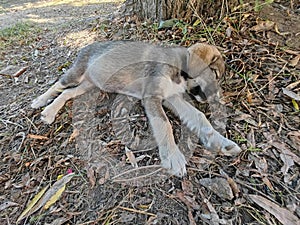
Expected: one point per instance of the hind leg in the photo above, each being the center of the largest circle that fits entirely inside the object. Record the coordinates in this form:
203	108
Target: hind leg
48	95
49	113
71	78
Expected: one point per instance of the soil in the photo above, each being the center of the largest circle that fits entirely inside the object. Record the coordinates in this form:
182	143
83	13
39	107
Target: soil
39	41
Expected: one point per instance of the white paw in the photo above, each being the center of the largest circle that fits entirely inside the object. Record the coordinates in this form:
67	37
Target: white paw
217	143
174	162
38	102
47	116
230	148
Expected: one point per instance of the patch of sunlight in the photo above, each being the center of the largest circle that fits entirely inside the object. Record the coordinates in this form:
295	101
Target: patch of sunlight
52	3
36	19
43	21
2	10
80	2
78	39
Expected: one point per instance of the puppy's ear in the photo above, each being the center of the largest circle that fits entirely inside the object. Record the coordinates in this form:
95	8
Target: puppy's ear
202	55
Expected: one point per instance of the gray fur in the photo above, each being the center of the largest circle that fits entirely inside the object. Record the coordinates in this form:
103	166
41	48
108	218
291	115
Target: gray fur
155	75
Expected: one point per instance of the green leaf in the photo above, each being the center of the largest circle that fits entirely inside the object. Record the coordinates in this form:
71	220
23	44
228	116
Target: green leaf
295	104
167	23
196	23
32	203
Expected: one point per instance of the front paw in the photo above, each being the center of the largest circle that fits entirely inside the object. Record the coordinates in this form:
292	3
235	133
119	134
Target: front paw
174	162
230	148
47	116
217	143
38	102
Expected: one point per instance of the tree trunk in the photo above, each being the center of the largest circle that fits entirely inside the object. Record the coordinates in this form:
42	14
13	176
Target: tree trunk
179	9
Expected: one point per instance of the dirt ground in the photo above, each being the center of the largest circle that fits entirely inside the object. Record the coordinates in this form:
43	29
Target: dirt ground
39	41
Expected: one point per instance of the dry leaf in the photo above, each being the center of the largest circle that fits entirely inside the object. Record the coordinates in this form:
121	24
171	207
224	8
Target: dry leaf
295	61
212	218
261	164
249	96
291	52
187	186
251	138
191	218
293	85
219	186
288	162
41	199
285	216
231	182
74	134
228	31
246	117
268	183
294	133
291	94
131	157
102	180
209	213
91	176
56	196
263	26
31	204
58	221
7	205
281	147
38	137
234	186
191	203
294	136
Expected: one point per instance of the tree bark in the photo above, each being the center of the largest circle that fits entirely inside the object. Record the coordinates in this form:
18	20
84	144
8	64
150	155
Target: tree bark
180	9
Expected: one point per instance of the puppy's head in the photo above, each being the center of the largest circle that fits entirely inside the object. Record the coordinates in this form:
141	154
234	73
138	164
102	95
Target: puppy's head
205	65
203	56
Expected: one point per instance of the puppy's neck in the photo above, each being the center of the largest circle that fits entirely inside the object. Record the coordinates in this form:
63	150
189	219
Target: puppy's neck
184	66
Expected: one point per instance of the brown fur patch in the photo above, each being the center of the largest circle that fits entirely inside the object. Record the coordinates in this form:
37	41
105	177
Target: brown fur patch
176	77
210	56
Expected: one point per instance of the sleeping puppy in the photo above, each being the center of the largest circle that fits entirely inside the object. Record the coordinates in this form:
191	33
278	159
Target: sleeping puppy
156	75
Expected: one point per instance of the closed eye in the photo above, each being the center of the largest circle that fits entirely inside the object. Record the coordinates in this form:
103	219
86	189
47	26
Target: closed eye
216	72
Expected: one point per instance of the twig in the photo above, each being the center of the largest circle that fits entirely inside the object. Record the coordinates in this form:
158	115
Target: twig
16	74
23	138
202	23
136	169
7	121
20	72
137	211
273	78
